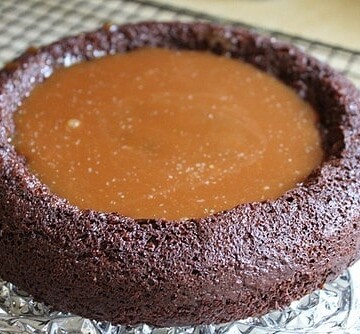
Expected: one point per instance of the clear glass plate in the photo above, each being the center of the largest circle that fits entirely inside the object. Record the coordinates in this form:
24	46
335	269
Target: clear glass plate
334	309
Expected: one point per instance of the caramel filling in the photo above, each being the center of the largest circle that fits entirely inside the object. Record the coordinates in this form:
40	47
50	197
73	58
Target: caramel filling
166	134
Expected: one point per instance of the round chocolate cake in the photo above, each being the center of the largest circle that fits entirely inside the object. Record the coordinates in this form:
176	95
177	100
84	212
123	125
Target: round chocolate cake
241	262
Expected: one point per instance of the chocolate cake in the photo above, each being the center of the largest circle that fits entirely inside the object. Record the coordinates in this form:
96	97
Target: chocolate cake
241	262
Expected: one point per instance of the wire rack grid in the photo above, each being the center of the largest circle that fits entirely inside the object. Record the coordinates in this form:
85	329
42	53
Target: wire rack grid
36	22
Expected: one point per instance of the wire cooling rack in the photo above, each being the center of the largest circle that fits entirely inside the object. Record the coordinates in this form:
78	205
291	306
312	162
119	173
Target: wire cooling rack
36	22
25	23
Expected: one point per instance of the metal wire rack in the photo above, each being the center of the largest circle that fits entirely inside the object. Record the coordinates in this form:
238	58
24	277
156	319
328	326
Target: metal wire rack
36	22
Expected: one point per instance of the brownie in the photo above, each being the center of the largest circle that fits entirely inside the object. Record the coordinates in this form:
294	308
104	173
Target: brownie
241	262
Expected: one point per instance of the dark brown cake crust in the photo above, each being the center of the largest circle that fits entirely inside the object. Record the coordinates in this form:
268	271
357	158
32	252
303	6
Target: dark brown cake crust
238	263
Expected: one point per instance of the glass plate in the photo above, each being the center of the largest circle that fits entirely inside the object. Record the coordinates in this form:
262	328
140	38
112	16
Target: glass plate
334	309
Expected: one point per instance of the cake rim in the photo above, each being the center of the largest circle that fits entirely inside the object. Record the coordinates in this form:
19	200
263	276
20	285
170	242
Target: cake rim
125	270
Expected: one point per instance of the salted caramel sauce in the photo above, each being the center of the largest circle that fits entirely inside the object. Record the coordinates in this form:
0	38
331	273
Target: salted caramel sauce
156	133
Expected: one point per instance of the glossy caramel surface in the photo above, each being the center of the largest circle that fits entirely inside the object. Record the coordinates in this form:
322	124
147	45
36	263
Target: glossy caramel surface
157	133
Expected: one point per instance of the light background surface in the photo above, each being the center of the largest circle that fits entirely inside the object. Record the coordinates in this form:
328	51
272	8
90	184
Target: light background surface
332	21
